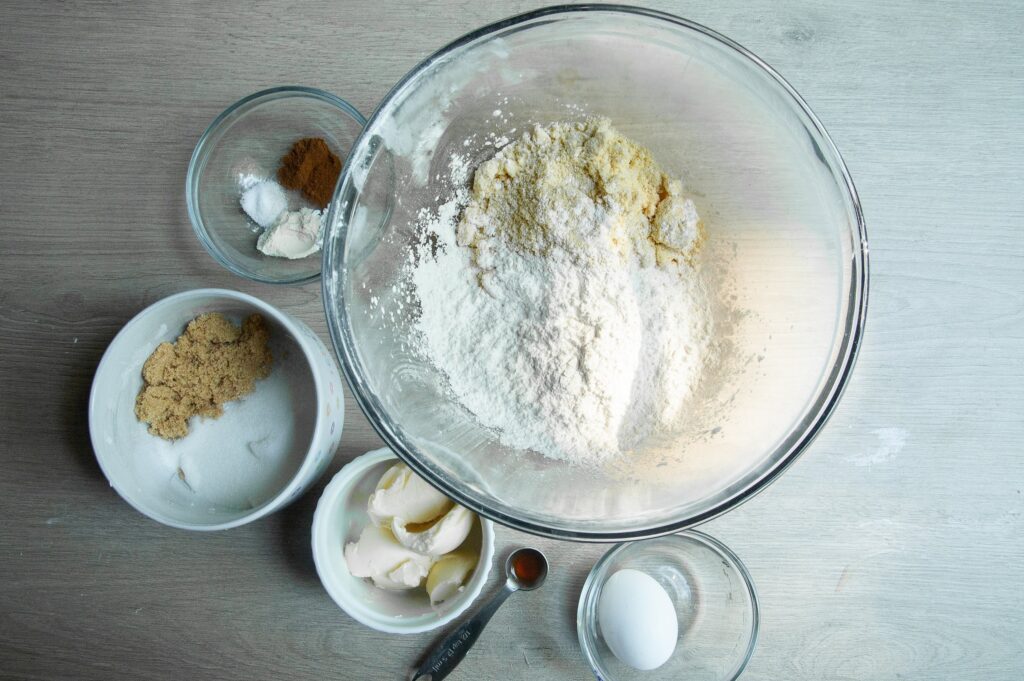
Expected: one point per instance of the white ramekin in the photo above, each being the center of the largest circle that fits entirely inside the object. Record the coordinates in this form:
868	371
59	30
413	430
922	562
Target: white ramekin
340	517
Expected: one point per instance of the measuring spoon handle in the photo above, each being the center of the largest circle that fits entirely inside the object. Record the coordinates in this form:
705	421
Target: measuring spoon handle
450	651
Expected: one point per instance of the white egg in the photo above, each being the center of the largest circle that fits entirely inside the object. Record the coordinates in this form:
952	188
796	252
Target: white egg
637	619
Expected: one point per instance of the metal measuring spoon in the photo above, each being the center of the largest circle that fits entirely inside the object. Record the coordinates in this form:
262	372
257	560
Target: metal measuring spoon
525	570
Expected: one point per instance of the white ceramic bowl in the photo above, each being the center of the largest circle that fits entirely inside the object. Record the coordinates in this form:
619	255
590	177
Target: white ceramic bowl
340	517
265	450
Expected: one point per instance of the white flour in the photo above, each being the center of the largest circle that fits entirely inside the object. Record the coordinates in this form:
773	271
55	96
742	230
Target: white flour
577	352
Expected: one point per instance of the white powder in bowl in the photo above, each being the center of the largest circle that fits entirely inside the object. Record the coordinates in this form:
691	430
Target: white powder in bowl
296	234
554	301
233	463
264	202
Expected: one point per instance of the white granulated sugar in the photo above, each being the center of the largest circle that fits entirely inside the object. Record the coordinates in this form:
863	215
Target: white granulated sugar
240	460
548	314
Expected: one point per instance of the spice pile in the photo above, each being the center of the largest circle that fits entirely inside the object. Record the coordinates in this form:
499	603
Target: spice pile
312	168
309	168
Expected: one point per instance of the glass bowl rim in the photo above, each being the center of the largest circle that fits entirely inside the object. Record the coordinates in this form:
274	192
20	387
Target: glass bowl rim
202	150
600	567
822	404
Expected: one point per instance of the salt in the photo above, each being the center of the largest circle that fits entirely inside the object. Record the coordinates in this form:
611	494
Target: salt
264	202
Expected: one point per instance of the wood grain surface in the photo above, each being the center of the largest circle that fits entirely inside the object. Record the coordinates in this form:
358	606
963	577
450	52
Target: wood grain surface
894	549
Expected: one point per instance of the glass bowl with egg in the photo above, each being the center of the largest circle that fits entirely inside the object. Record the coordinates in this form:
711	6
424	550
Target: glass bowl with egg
236	163
681	606
785	256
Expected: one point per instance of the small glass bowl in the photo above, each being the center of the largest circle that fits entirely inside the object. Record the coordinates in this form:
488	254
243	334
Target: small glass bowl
714	599
250	138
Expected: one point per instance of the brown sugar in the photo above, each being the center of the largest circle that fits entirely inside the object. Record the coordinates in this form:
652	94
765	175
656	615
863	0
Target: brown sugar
311	168
213	362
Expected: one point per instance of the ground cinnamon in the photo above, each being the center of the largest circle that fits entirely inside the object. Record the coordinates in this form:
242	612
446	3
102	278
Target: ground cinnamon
311	168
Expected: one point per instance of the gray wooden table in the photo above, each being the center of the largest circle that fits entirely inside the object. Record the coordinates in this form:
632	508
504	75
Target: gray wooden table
892	550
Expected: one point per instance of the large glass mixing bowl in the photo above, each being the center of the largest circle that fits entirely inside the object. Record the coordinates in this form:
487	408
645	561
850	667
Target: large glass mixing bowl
786	252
